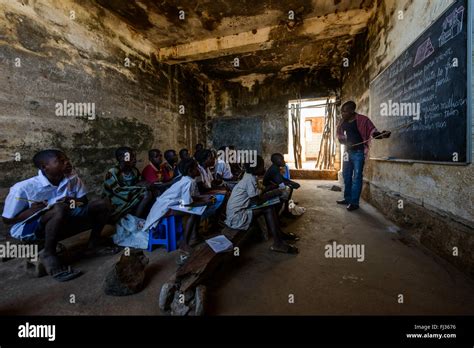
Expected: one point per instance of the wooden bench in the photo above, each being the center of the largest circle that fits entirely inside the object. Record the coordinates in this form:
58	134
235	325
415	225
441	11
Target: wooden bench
185	292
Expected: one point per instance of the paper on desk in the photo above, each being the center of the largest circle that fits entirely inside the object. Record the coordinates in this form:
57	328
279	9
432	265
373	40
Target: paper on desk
219	244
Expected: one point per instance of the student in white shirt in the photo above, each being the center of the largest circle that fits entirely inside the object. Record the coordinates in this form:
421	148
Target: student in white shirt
205	161
207	184
222	169
246	194
183	192
206	181
52	206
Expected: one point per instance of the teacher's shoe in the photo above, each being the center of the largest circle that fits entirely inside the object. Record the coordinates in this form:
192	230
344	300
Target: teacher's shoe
352	207
342	201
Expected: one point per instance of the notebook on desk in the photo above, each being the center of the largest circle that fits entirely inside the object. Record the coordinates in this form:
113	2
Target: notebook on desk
272	201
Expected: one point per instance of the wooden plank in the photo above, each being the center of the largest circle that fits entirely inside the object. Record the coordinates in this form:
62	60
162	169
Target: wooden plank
198	259
204	261
202	255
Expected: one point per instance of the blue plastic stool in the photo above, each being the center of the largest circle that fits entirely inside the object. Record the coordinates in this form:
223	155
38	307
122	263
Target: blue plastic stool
168	232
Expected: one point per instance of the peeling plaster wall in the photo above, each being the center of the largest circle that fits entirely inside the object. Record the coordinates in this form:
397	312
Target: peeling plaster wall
265	97
439	200
82	60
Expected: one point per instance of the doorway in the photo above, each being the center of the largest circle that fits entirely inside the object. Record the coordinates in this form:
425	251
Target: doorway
311	134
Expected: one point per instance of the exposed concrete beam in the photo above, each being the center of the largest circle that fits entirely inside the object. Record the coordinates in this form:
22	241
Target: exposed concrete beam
217	47
333	25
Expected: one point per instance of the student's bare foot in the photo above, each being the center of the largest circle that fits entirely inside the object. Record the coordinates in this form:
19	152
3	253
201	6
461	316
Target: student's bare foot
50	262
58	271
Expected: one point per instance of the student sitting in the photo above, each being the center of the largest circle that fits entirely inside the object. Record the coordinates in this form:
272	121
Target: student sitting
53	206
274	179
169	165
124	188
236	168
183	154
244	195
183	192
152	173
222	169
206	182
208	185
171	177
199	148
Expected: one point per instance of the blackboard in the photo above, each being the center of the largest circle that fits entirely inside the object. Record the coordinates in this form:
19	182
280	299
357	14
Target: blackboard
426	92
245	133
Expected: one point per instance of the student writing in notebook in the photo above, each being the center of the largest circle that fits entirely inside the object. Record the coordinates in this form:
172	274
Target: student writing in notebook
185	193
53	206
244	195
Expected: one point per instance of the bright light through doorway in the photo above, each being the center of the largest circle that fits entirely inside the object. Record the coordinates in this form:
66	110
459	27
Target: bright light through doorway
311	121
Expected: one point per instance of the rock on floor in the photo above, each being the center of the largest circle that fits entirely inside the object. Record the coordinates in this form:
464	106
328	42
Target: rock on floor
127	275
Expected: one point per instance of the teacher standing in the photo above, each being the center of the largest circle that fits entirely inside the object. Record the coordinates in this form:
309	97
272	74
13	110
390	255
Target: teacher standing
355	132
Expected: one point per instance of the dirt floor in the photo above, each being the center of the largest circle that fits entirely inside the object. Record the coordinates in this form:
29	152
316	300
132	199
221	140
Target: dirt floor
262	282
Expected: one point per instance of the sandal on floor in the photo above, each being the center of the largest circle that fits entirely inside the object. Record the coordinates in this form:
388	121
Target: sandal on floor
290	236
285	249
65	273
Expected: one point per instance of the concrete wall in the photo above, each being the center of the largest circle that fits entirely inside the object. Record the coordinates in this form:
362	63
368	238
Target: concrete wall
266	96
75	56
439	203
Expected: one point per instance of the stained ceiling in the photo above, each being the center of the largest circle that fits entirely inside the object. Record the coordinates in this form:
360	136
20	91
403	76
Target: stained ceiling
267	36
